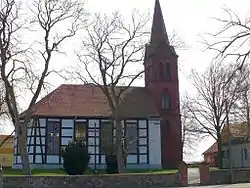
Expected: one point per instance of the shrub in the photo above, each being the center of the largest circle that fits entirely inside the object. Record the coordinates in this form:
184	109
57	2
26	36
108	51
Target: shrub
75	157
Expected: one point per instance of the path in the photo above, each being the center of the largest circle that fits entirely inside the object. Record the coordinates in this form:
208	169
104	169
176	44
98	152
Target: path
193	176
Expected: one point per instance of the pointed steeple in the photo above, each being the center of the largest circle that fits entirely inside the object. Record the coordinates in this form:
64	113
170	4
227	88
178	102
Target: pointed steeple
158	31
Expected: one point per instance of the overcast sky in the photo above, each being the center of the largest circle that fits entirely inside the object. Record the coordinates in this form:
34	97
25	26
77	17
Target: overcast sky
190	19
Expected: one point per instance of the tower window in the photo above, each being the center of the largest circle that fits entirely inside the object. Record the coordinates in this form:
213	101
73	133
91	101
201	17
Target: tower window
165	101
161	72
168	72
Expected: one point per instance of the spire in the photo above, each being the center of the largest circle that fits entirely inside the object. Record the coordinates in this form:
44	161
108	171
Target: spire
158	31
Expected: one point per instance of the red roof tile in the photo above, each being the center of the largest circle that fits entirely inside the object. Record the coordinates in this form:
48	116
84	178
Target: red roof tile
89	101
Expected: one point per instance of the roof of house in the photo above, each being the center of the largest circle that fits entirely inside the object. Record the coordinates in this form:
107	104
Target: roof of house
212	149
10	140
89	101
237	132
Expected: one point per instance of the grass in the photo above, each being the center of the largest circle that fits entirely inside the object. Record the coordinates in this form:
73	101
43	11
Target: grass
60	172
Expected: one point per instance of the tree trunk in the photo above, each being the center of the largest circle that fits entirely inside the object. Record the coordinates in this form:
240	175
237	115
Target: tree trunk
22	146
220	157
118	145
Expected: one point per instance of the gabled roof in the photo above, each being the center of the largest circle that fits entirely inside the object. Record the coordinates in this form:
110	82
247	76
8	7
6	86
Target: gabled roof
89	101
212	149
237	132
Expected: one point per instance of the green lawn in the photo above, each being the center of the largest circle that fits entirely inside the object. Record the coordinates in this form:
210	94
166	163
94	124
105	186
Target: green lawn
58	172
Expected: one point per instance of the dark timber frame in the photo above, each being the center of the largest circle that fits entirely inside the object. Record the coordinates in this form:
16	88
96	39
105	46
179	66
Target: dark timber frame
40	141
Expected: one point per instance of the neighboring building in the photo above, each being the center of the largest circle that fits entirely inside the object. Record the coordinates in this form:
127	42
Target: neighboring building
151	115
210	155
6	150
240	147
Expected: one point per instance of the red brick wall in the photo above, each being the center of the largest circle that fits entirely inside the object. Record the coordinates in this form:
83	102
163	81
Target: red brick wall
210	158
171	131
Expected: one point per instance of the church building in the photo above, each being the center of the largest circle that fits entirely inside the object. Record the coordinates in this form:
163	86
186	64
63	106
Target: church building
152	121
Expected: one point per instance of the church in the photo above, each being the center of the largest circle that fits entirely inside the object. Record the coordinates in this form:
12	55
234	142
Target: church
152	120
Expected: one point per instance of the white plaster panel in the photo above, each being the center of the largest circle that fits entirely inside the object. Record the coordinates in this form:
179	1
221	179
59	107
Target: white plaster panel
103	159
131	121
40	149
92	149
30	149
52	159
94	123
15	159
81	120
142	124
143	159
93	141
154	142
65	141
42	122
38	159
19	159
142	141
41	132
30	124
92	159
142	149
15	150
31	158
30	131
92	133
68	123
15	142
62	160
132	159
67	132
38	140
105	120
30	140
142	132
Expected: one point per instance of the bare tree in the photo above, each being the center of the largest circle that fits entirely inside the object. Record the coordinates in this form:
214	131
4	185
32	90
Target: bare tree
241	109
217	91
231	41
191	134
17	69
111	47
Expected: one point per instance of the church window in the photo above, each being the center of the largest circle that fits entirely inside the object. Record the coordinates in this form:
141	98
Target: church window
53	137
165	101
168	71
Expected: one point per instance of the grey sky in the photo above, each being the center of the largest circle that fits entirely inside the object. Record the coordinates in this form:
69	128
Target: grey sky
190	19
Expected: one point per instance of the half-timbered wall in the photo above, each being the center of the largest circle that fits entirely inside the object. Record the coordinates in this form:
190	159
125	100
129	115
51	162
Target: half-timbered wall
44	142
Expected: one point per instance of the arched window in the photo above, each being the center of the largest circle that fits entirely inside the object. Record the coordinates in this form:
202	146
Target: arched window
168	71
165	101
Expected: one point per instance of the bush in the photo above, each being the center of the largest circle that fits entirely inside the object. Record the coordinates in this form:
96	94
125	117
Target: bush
75	157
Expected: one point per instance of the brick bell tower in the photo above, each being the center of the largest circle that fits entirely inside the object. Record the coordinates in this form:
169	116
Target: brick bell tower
161	78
